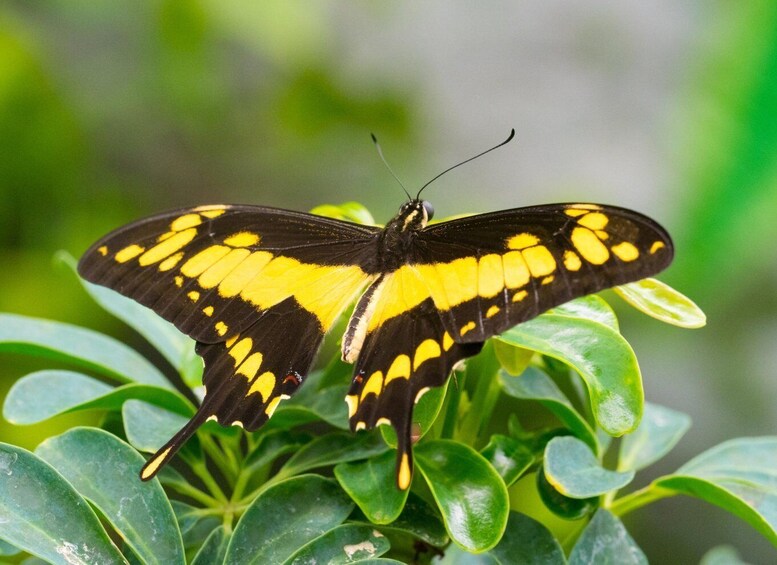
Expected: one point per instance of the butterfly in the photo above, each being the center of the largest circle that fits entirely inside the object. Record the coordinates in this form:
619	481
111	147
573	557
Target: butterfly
258	288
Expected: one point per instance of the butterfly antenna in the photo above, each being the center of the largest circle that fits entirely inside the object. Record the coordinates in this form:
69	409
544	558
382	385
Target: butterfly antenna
382	158
505	142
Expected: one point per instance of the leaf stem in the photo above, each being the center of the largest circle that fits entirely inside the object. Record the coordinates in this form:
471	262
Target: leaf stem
193	492
639	498
201	470
218	456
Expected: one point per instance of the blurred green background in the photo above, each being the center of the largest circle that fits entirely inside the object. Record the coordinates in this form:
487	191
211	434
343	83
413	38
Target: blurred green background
113	110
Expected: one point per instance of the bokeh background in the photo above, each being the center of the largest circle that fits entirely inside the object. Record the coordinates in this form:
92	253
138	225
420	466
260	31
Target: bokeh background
113	110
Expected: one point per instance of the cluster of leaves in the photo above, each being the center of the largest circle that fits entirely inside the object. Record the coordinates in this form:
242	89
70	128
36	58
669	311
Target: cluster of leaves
304	489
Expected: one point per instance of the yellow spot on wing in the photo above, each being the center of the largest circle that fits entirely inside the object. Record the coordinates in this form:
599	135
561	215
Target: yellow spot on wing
469	326
574	212
221	329
271	406
383	422
572	261
239	351
656	246
548	280
589	246
400	369
170	262
493	311
447	341
242	239
353	404
243	274
102	250
522	241
178	281
194	296
167	247
360	426
540	261
420	393
400	291
429	349
195	266
186	221
625	251
373	385
490	275
212	210
221	268
264	385
516	271
128	253
250	366
231	341
601	234
403	474
520	295
153	464
594	221
208	310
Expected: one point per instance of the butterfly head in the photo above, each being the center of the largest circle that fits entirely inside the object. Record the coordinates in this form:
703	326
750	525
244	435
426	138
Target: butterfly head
414	214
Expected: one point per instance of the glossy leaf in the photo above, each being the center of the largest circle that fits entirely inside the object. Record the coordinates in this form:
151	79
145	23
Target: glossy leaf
662	302
722	555
563	506
469	492
737	475
660	430
45	394
332	449
41	513
285	517
372	485
508	456
534	384
79	346
327	405
574	471
528	542
6	549
424	415
603	358
214	549
512	358
419	520
591	307
149	427
104	470
186	515
174	346
348	543
605	540
454	555
348	211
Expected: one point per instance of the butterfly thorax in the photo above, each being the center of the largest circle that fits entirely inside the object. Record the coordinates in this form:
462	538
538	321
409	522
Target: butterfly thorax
396	241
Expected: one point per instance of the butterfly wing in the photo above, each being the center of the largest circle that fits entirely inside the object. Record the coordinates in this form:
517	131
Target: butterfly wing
258	288
469	279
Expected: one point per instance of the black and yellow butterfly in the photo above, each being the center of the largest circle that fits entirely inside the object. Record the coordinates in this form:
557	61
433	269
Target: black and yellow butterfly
258	288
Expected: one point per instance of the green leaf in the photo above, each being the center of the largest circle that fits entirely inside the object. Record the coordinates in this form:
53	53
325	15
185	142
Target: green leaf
418	520
331	449
348	211
508	456
104	470
605	540
469	492
44	394
327	404
574	471
348	543
737	475
149	427
186	515
454	555
285	517
512	358
563	506
6	549
591	307
528	542
214	550
372	485
272	445
534	384
722	555
603	358
424	415
660	430
79	346
662	302
174	346
43	515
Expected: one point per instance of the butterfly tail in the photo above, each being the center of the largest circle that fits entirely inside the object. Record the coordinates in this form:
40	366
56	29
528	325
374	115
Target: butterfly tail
404	455
168	450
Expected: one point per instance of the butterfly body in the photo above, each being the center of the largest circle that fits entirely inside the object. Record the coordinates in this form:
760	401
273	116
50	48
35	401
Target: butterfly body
258	288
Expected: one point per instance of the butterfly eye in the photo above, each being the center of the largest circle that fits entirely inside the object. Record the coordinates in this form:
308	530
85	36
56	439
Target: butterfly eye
429	209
